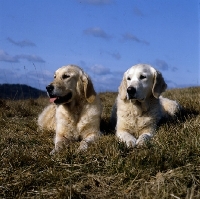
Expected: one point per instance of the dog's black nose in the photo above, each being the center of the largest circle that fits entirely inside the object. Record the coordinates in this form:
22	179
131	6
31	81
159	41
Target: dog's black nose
131	90
50	88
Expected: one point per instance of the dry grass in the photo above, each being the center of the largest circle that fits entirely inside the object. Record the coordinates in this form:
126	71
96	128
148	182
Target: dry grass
168	168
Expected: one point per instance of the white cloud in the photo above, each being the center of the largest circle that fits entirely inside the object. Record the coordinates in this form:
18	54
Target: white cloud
161	64
109	82
97	32
31	58
99	70
35	78
104	79
5	57
23	43
116	55
131	37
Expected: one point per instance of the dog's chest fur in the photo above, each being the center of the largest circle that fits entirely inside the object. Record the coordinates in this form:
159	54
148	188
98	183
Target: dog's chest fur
136	118
74	121
68	121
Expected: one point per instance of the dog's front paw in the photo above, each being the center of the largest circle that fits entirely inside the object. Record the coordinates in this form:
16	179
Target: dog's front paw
83	146
52	152
127	138
143	139
131	142
58	146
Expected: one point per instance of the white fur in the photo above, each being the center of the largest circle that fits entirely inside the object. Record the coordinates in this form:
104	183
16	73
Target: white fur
139	113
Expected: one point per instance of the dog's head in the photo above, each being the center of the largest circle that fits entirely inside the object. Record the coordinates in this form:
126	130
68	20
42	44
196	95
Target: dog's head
70	82
140	82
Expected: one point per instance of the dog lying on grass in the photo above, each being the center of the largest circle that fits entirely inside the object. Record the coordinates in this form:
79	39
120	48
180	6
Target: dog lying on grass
139	106
76	109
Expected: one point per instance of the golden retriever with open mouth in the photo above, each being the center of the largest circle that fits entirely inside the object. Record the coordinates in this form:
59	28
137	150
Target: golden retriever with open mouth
76	109
139	106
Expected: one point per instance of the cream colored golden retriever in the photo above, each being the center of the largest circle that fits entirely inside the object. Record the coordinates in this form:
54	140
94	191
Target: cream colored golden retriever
75	110
139	106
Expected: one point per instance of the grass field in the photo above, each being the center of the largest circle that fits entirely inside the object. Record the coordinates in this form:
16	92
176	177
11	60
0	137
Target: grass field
168	168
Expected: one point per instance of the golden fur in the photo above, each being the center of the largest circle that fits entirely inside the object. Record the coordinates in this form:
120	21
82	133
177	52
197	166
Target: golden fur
139	105
76	111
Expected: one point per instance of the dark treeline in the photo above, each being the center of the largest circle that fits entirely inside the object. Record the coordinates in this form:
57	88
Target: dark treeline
19	91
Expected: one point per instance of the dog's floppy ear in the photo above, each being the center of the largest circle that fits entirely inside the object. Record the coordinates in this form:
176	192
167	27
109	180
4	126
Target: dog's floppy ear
123	88
159	84
89	91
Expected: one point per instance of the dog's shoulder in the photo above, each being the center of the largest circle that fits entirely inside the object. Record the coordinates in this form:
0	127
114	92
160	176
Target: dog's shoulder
94	108
79	111
46	119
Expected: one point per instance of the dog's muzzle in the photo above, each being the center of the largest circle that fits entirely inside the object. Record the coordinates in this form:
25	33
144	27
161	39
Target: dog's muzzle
50	89
58	99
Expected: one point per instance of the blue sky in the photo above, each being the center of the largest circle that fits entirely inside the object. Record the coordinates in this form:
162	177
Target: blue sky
104	37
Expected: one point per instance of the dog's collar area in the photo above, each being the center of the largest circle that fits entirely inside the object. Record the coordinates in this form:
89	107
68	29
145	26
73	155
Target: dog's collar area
134	98
60	99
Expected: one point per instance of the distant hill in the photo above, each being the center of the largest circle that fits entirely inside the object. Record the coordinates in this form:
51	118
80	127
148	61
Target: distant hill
19	91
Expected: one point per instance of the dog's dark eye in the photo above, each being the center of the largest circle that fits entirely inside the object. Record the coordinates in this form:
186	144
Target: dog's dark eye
142	76
54	76
65	76
128	78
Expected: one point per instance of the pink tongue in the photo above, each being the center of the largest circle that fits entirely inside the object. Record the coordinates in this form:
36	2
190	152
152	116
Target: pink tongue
52	99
